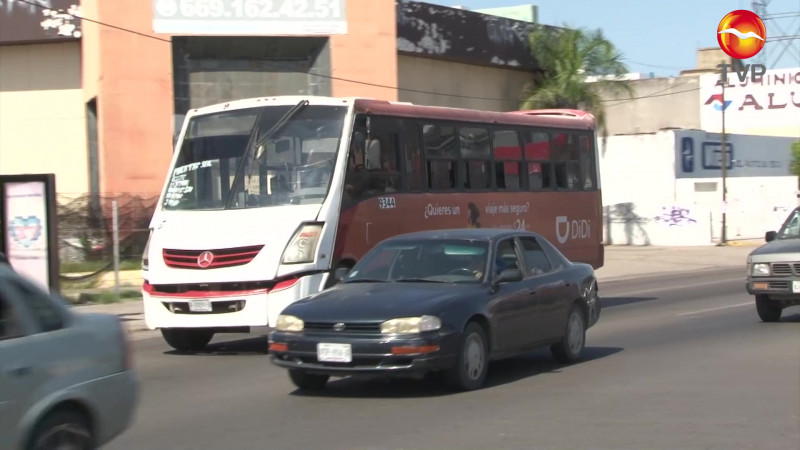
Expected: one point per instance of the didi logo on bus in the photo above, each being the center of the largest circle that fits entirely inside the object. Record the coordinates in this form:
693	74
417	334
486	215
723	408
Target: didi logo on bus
567	229
741	35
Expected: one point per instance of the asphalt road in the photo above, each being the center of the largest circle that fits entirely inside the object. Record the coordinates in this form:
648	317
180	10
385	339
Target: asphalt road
680	361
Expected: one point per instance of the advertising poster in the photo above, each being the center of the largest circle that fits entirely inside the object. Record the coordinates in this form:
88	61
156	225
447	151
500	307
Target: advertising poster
26	229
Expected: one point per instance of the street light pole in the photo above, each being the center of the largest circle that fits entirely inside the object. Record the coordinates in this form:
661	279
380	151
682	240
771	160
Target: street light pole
724	239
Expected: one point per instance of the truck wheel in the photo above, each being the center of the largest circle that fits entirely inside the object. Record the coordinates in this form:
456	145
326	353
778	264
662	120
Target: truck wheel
308	381
768	310
187	339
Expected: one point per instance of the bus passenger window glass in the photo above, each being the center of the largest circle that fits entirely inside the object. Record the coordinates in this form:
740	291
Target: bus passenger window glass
537	146
441	175
440	141
566	161
508	157
474	143
216	169
413	156
381	169
588	163
477	175
540	175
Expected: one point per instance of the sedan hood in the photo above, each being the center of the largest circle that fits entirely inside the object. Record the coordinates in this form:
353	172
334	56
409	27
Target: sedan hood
375	302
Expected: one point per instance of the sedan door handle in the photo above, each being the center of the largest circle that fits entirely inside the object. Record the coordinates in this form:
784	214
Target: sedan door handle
532	292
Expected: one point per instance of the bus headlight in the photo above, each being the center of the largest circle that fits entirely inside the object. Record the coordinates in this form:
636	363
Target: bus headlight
146	254
411	325
289	323
303	246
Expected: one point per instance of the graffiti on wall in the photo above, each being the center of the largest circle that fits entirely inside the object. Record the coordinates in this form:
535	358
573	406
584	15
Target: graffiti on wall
675	216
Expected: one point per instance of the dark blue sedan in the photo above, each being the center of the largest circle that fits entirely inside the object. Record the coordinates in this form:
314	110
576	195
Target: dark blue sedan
444	301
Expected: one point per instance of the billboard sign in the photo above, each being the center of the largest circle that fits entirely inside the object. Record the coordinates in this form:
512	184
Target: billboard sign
250	17
28	217
35	21
699	155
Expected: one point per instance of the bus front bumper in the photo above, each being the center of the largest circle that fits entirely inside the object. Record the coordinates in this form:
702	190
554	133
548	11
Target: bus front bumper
253	308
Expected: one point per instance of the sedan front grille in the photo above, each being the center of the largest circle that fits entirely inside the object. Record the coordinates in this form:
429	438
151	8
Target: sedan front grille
349	327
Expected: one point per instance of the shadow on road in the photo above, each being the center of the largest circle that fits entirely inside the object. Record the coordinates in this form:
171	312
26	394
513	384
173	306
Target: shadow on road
610	302
500	373
251	345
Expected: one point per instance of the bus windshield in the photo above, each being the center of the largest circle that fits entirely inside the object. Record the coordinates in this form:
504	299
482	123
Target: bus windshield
226	160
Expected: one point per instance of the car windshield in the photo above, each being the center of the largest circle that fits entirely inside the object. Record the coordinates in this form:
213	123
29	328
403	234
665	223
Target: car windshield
423	260
791	228
227	160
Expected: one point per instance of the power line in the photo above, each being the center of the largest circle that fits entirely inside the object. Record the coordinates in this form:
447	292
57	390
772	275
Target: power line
330	77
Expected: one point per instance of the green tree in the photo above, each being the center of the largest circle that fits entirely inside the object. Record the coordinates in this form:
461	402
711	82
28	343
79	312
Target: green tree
566	56
795	167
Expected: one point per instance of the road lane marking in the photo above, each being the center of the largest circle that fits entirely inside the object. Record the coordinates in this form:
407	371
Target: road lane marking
666	288
716	309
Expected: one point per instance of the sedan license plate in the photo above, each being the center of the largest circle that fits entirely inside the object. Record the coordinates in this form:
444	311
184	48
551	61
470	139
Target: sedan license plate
200	306
341	353
795	286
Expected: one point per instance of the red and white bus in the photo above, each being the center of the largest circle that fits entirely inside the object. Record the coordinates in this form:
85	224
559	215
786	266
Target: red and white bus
267	197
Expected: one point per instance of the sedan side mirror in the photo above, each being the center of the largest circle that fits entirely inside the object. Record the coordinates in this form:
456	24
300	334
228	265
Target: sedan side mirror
770	236
341	273
509	276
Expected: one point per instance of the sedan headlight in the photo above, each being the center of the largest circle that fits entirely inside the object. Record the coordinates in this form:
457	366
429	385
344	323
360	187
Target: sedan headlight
760	269
289	323
411	325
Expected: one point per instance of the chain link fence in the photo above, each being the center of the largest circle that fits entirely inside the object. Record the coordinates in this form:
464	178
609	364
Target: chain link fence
86	233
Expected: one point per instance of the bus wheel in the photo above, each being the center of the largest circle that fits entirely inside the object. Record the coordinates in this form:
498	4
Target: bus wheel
187	339
332	281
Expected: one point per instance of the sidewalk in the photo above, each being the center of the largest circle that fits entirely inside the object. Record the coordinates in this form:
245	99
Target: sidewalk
621	262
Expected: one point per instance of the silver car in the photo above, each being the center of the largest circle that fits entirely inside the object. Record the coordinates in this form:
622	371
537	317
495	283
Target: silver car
773	270
66	379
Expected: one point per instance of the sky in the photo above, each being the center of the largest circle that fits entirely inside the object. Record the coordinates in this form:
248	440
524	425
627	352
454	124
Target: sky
659	37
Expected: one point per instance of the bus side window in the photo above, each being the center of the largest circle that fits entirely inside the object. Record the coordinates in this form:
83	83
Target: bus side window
476	155
588	163
538	160
508	160
441	153
412	153
566	160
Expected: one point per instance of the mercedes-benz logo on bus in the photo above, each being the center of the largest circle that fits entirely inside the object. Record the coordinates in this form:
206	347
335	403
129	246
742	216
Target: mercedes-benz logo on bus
338	327
205	259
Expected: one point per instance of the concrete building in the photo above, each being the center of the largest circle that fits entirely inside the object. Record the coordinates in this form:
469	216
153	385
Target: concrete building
99	102
649	141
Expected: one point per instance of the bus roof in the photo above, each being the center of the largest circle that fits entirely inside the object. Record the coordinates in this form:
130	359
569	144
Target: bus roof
558	118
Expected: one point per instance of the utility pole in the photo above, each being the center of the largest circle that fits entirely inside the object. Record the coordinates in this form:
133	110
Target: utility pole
724	240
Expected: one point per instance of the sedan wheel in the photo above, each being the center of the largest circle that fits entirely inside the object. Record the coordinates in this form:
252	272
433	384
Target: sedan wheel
570	349
470	370
64	430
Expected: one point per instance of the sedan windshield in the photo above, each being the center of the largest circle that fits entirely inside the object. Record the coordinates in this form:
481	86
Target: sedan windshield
791	228
228	159
446	261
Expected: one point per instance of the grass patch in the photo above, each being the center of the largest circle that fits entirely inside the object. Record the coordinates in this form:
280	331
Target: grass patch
94	266
107	297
